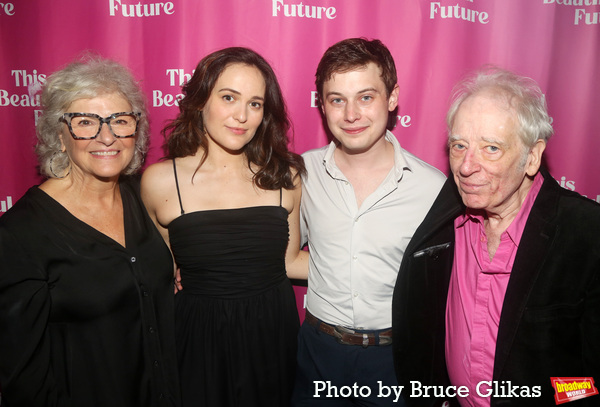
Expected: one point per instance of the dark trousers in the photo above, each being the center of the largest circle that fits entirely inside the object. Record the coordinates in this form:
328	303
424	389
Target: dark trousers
333	374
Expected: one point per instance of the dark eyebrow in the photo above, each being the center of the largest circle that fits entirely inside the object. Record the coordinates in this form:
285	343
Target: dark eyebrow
230	90
238	93
333	93
358	93
368	90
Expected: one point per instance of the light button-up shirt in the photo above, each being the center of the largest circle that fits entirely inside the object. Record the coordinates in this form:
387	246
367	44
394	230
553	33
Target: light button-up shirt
355	253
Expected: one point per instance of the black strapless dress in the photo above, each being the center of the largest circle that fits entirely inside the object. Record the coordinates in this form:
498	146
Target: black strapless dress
236	320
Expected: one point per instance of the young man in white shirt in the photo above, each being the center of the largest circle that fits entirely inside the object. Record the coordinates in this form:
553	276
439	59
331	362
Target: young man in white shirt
362	199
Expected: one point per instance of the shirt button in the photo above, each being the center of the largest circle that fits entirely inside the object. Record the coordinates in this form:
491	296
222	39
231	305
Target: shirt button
355	294
156	363
354	258
133	259
151	330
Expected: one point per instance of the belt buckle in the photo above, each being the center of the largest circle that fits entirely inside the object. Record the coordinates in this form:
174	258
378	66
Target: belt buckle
385	340
339	332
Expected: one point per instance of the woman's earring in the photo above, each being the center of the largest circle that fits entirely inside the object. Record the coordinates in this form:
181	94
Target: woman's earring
52	169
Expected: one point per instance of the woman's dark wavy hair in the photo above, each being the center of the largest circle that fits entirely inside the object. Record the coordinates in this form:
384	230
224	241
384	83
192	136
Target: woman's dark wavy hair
268	149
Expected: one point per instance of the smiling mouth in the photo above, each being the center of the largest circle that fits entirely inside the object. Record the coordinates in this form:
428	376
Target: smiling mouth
237	130
354	130
469	187
105	153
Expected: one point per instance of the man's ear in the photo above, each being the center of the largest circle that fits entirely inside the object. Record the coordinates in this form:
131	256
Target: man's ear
393	99
534	159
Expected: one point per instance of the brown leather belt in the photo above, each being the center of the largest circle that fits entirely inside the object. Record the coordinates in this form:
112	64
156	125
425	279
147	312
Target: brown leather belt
348	336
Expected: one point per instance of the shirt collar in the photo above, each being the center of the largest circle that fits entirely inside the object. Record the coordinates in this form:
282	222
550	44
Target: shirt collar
517	226
400	163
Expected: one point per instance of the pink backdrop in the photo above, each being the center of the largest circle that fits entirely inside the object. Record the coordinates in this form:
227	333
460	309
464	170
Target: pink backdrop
556	42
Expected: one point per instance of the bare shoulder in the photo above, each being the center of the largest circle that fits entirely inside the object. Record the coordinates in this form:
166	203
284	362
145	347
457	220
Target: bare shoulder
296	178
159	193
156	181
291	197
158	171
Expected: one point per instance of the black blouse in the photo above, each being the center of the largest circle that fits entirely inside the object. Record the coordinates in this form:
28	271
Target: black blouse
84	321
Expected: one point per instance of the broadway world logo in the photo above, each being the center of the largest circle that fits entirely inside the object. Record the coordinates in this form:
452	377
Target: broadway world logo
572	388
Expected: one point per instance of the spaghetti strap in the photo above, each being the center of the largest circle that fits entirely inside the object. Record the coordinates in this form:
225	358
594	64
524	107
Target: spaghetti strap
280	196
177	185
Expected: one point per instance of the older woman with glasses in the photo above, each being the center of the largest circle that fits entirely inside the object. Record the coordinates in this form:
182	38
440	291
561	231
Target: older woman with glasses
86	281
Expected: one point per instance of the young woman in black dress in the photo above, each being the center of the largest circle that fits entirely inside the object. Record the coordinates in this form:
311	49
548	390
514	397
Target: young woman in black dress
227	200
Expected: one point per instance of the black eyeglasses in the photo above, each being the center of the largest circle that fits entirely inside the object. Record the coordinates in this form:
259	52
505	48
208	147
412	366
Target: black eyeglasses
87	126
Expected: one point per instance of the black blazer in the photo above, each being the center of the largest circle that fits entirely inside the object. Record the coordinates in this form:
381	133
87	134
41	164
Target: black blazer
550	320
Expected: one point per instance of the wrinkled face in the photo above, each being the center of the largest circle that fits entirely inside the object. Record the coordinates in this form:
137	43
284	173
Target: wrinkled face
235	108
106	156
356	107
488	160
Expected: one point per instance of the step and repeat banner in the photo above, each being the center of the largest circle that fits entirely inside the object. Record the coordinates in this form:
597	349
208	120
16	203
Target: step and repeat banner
434	43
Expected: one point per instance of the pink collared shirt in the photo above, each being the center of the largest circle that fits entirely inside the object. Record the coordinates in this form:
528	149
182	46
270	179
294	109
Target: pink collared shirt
475	297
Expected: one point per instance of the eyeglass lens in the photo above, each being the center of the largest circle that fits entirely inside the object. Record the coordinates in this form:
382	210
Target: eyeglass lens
88	125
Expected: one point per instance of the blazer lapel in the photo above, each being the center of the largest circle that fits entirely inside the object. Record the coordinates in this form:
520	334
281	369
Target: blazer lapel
536	242
447	206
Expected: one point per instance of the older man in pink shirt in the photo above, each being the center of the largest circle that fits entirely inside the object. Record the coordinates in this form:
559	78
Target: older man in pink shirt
499	289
